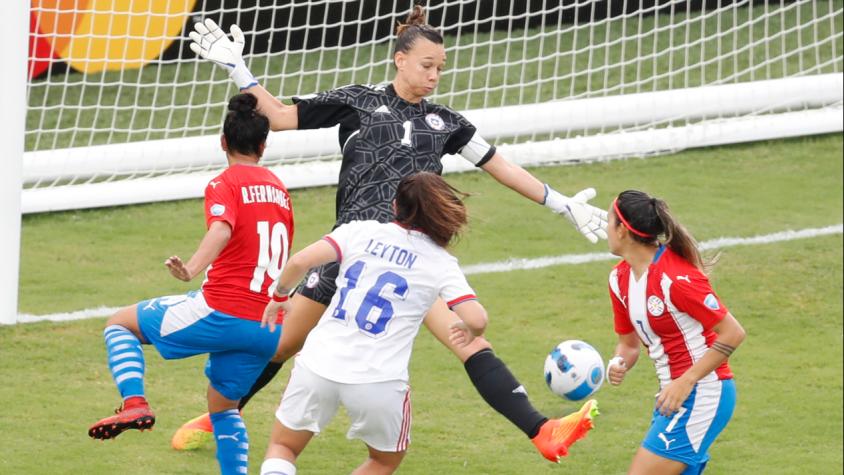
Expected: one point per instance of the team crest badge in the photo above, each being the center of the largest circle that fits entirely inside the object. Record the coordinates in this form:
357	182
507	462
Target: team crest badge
313	280
711	302
217	209
655	306
435	121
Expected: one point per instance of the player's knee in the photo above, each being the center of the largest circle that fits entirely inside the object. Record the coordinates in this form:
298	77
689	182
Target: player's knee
383	463
126	318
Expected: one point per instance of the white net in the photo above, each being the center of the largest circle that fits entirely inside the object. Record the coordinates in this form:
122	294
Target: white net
115	95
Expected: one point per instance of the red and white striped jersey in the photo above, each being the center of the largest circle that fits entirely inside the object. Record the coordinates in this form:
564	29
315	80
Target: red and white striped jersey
672	308
257	207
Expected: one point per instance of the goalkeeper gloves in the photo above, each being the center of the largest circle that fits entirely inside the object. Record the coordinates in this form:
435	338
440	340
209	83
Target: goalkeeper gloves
590	220
211	42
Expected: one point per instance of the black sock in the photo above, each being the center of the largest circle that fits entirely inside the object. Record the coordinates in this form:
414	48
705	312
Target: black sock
266	376
503	392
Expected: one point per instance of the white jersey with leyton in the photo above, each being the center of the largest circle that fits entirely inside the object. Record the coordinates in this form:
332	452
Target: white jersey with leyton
389	278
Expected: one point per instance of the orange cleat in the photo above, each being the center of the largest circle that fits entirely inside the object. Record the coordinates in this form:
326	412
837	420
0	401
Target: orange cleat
136	416
557	435
193	434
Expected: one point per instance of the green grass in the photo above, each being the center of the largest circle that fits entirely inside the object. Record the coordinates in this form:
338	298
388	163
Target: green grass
622	55
54	380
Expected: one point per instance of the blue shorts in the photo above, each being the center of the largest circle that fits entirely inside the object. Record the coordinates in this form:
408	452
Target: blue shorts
180	326
687	435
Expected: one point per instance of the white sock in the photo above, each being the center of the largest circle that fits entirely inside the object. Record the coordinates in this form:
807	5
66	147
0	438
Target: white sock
277	467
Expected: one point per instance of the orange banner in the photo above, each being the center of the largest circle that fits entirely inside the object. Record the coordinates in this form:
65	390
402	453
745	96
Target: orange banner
103	35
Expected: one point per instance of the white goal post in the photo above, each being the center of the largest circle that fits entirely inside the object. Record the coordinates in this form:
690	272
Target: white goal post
117	117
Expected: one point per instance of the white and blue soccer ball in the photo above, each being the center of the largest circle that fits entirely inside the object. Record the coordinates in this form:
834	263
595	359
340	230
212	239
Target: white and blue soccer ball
574	370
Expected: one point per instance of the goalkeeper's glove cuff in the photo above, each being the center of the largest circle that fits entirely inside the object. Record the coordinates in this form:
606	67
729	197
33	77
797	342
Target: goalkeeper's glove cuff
555	200
242	77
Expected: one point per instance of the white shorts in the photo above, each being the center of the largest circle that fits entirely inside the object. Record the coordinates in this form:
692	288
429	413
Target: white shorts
379	412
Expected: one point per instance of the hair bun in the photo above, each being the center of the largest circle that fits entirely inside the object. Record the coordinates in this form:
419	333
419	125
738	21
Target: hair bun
243	103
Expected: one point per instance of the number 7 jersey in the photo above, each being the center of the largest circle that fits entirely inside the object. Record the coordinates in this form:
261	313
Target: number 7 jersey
257	207
389	277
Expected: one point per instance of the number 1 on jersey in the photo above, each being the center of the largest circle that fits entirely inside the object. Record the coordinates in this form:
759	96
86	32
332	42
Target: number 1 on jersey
408	127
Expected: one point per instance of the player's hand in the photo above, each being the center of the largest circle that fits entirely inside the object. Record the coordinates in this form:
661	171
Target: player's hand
178	268
271	313
460	335
616	370
590	220
672	396
211	42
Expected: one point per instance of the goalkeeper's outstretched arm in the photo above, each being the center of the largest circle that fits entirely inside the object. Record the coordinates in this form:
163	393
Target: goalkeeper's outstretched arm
589	220
211	42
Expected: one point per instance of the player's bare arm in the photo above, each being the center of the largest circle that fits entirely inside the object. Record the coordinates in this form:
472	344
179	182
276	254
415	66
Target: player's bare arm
730	335
281	115
626	355
212	244
210	42
590	220
472	323
318	253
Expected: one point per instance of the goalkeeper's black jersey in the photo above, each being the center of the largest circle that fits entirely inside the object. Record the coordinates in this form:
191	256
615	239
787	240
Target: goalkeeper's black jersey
384	138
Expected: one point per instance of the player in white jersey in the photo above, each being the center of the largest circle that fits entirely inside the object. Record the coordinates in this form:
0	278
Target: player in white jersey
661	296
357	355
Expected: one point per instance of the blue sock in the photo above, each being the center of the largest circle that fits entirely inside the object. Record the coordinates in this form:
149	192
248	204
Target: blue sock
125	360
232	442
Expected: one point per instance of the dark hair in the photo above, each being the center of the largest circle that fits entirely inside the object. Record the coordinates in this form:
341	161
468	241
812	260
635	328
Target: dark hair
651	218
424	201
414	27
245	128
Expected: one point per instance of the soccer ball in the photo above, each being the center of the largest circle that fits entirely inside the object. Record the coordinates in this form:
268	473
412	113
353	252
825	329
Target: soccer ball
574	370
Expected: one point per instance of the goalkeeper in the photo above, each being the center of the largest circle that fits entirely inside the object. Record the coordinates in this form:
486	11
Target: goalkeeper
388	132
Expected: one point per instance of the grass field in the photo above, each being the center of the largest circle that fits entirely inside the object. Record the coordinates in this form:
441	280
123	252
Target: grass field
54	381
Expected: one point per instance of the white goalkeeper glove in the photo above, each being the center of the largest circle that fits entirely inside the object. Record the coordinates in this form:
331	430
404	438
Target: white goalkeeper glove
210	42
590	220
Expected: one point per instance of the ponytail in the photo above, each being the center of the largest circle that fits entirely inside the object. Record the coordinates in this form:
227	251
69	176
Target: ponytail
650	218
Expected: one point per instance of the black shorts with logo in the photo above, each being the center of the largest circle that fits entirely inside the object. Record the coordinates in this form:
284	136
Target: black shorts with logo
320	283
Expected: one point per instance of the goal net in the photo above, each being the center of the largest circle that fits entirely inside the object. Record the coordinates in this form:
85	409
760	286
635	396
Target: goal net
120	111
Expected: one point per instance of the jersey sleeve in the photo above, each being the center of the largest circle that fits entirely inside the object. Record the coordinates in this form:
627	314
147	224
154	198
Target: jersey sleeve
341	235
454	289
621	318
327	109
468	143
693	295
220	203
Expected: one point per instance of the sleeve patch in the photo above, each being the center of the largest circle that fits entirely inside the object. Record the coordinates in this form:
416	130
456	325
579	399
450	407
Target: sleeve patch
217	209
711	302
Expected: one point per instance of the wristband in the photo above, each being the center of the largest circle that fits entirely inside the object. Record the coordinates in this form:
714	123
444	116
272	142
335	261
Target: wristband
280	298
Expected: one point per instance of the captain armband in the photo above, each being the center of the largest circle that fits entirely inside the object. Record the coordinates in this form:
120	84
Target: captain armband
477	151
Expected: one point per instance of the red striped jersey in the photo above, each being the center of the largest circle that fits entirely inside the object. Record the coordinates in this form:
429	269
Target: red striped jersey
255	203
672	308
388	279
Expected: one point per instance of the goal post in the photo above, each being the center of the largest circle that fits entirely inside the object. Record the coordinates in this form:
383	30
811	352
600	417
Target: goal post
120	110
13	104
